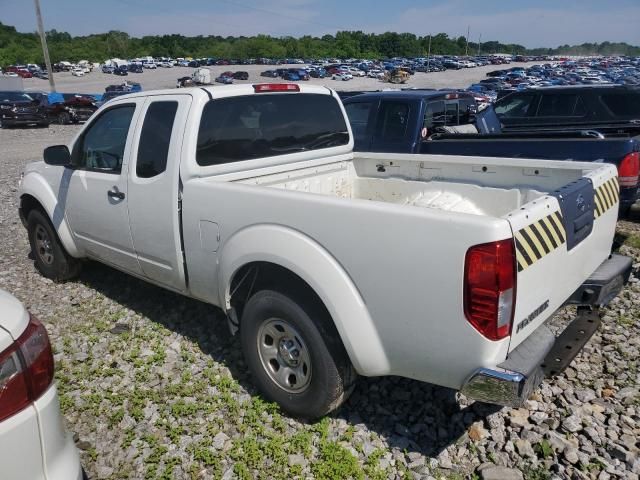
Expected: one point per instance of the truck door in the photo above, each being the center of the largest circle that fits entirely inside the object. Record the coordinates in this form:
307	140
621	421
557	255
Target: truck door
154	189
96	187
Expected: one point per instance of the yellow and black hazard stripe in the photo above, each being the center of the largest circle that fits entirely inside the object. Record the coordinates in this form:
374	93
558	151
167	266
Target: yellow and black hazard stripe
539	239
606	196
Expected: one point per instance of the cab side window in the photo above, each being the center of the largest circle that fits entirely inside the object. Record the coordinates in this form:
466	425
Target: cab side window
393	121
155	139
358	113
516	106
101	147
561	105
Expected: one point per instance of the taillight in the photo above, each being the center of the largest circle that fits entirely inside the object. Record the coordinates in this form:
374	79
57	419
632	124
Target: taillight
275	87
26	369
490	288
629	170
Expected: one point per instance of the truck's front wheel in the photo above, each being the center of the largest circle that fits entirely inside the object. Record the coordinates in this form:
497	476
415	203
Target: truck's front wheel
294	354
49	256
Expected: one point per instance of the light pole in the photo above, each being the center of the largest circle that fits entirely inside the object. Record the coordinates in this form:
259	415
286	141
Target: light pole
45	49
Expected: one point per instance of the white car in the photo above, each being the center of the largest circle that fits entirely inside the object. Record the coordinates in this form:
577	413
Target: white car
344	76
33	442
356	72
166	64
375	74
150	65
77	72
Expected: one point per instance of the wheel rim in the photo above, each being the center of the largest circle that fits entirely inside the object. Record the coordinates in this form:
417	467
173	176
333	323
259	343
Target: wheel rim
284	355
44	248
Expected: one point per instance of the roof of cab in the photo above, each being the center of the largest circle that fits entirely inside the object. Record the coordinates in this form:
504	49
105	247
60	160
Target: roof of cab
221	91
416	94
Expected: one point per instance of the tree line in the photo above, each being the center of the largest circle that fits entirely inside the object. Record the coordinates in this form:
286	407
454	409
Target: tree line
18	47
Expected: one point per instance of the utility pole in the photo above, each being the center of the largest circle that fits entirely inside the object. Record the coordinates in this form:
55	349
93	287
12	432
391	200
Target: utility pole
466	47
429	54
479	43
45	49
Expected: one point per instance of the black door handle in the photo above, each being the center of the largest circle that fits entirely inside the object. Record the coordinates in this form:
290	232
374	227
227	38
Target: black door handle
116	194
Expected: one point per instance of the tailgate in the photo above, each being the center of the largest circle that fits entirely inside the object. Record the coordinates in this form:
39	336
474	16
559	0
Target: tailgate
561	239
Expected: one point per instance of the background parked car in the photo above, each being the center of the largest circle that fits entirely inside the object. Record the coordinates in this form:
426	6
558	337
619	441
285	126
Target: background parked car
241	76
226	79
19	108
122	71
344	76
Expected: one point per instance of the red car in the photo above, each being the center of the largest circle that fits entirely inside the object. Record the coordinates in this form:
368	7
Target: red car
24	73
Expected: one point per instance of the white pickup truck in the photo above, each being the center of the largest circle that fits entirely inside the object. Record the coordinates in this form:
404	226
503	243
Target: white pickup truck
332	263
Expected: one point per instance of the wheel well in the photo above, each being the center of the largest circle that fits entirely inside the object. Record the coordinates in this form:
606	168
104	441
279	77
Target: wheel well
256	276
28	204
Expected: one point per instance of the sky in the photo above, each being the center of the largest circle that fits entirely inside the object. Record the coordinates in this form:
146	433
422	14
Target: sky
537	23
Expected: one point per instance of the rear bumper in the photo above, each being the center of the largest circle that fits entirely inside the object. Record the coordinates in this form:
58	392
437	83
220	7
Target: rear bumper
543	354
628	196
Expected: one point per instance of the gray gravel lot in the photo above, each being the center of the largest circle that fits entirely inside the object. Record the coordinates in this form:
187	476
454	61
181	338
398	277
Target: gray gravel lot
96	81
153	386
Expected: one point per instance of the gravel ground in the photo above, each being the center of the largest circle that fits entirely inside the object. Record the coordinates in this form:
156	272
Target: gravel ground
96	81
153	386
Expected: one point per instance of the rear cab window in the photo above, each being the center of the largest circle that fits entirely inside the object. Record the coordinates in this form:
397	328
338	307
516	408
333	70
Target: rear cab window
249	127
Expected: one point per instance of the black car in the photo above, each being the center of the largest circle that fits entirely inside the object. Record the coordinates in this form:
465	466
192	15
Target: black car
19	108
269	73
580	107
194	64
241	76
122	70
135	68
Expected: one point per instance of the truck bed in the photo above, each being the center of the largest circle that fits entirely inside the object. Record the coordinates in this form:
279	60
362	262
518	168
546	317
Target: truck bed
460	197
476	186
568	146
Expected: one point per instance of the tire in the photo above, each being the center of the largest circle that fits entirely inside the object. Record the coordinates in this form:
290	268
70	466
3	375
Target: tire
295	354
49	256
64	118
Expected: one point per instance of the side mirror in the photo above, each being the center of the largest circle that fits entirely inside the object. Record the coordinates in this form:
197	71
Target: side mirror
57	155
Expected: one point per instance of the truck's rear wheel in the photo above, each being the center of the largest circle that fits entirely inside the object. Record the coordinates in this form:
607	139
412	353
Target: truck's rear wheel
294	355
49	256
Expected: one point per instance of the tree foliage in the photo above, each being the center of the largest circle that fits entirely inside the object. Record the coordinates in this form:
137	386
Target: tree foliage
17	47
